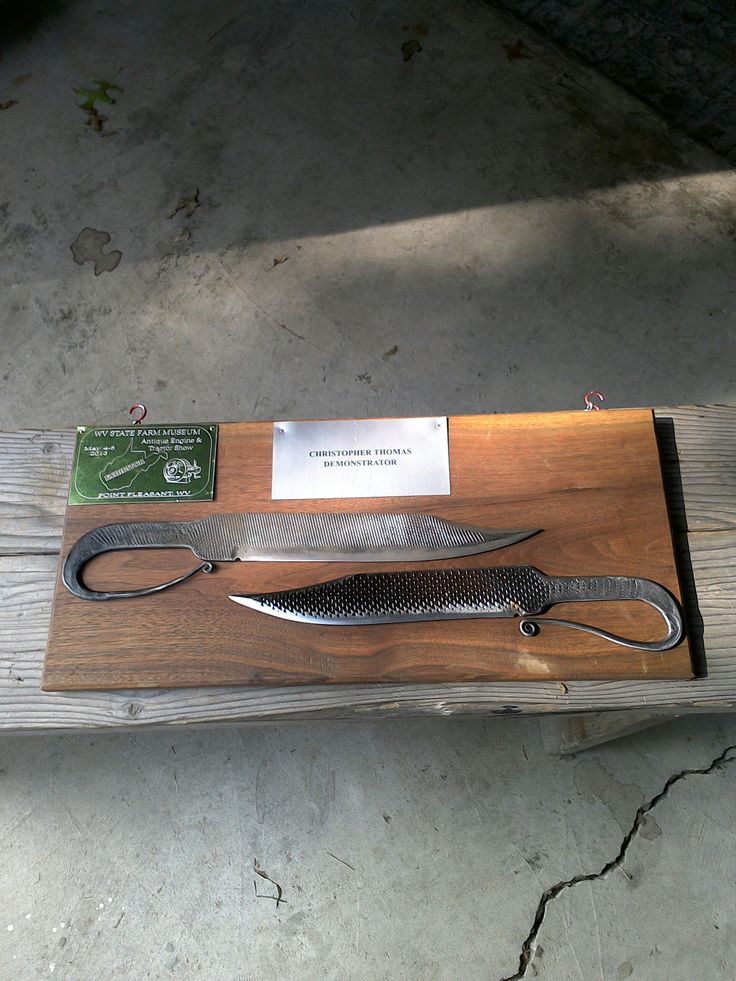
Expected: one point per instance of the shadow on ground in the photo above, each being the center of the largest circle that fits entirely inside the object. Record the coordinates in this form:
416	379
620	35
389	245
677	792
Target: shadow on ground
301	121
280	196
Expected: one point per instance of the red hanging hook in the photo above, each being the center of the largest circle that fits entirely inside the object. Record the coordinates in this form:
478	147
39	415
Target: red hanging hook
144	412
591	406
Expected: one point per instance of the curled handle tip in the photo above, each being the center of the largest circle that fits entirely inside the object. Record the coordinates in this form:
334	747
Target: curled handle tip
642	590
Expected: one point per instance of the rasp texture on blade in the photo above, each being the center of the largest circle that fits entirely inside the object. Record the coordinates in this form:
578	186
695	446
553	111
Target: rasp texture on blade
404	596
283	537
456	594
349	537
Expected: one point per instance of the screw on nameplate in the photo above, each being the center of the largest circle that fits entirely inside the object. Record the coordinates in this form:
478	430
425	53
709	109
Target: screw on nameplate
593	406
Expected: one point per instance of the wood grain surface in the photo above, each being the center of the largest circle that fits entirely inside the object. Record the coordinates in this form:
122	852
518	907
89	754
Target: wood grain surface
694	440
591	481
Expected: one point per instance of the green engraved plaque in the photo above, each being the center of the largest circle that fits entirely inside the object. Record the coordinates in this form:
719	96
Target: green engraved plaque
143	463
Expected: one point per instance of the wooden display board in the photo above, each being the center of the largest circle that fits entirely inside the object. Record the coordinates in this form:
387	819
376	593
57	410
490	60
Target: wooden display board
592	481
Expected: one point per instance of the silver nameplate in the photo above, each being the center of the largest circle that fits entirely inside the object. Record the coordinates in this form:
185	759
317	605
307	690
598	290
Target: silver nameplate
360	458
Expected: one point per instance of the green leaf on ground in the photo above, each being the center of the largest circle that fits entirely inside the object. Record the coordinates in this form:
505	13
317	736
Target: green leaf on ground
98	94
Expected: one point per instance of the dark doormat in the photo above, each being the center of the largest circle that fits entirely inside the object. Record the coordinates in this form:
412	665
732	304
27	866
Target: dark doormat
677	55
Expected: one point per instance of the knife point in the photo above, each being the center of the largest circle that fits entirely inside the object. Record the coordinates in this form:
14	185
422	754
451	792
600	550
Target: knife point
509	537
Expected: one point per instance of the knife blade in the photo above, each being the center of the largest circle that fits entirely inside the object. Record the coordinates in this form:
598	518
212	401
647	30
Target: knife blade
456	594
287	537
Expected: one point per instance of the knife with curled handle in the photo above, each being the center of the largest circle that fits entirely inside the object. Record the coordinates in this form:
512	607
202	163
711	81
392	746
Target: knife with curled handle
457	594
285	537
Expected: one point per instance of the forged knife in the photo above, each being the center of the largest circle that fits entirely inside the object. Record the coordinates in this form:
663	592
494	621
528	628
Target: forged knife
286	537
457	594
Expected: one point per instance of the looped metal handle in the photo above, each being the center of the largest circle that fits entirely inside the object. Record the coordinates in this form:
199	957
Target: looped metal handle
115	538
593	588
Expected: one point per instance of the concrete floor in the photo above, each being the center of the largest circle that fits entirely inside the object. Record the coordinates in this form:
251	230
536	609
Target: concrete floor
404	850
520	231
677	55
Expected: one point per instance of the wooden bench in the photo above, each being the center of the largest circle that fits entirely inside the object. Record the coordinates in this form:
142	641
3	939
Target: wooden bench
698	447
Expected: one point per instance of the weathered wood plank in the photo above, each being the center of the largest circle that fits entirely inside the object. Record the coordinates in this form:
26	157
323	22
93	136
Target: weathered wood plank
34	478
565	734
35	475
699	465
23	707
33	489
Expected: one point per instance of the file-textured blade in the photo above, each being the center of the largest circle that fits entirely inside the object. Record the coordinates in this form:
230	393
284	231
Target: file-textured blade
340	537
400	597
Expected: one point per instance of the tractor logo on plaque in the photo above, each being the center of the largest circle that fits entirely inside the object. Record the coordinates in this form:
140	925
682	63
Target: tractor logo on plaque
178	471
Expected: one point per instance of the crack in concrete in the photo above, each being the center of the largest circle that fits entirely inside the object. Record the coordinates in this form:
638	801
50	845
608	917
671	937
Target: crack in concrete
529	945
